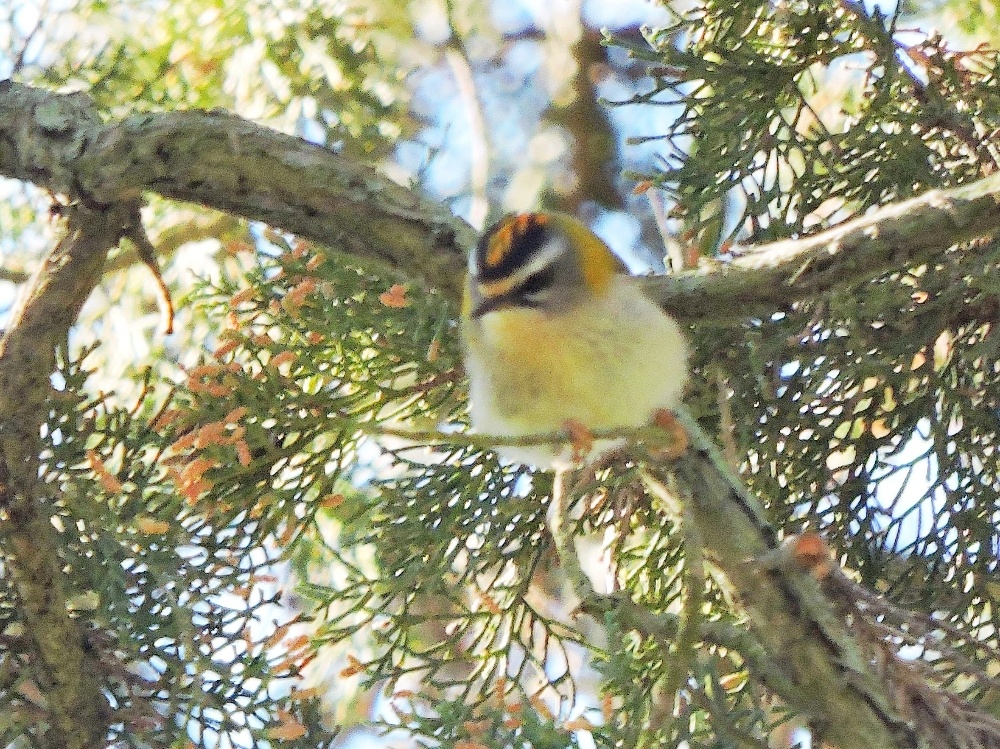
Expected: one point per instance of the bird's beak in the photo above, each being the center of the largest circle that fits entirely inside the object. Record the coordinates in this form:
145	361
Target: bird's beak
489	304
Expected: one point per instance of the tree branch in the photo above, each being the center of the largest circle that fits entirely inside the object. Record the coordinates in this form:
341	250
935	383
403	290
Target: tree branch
798	627
800	645
67	674
222	161
228	163
770	277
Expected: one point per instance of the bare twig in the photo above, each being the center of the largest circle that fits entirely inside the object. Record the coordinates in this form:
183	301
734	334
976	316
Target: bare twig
172	238
457	57
43	13
136	234
674	250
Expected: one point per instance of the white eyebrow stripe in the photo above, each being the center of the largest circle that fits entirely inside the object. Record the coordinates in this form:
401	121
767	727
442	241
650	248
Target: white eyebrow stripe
542	258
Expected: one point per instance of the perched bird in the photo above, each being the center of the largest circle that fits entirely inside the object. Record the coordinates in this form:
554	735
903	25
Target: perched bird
557	333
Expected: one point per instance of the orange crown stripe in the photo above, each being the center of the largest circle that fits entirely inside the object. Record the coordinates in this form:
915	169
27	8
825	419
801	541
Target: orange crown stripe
499	245
507	234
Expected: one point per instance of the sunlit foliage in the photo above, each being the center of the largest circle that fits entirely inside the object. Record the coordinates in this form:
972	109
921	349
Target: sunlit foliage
275	523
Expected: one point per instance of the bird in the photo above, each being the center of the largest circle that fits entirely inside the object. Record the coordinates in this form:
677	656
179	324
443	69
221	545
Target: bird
557	333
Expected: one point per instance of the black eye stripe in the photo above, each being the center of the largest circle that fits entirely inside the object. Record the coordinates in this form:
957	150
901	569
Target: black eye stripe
538	282
508	245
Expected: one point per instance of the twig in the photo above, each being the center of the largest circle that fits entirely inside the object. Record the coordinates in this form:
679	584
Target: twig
26	40
457	57
563	539
664	628
683	650
672	246
136	234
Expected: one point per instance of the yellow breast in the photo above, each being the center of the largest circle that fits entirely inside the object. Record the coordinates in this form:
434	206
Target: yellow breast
609	363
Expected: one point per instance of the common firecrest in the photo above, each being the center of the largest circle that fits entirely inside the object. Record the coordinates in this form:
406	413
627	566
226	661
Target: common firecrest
556	332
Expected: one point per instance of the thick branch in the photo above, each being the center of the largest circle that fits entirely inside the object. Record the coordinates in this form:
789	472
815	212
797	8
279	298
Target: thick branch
67	674
228	163
233	165
42	134
800	645
772	276
805	638
805	643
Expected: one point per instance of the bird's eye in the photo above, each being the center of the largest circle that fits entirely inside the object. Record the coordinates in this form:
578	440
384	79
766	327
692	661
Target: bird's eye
538	283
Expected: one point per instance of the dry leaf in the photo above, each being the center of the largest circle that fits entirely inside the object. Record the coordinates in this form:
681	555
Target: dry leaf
395	297
151	526
354	667
287	731
331	501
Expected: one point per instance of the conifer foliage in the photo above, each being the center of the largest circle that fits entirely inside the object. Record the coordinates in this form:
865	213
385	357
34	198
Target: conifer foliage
275	528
